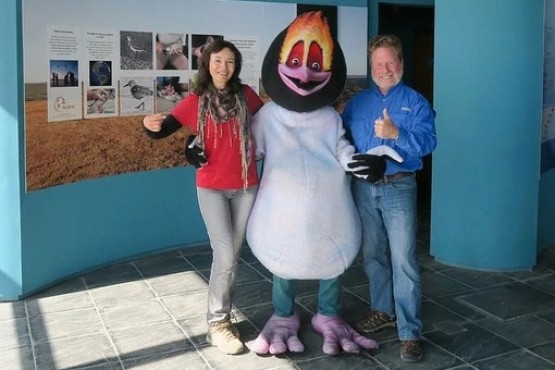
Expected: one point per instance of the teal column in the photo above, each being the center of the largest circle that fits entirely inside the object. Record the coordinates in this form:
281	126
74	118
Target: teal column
11	144
488	99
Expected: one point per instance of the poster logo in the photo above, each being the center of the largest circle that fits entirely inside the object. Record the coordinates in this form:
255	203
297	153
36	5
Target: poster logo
59	103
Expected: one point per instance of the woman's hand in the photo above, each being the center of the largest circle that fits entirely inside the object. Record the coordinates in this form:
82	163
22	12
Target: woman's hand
153	122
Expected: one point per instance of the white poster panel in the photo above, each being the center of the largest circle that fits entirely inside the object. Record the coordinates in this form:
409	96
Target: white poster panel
250	50
100	66
63	90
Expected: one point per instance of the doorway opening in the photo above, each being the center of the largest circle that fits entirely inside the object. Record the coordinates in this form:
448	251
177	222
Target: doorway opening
414	25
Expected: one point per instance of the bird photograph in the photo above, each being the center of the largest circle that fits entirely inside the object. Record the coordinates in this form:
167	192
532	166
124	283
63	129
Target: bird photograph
136	50
137	96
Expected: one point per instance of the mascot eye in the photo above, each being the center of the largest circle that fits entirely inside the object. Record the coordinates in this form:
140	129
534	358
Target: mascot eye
295	58
315	57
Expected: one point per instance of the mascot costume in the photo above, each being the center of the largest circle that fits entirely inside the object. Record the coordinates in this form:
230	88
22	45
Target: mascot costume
304	224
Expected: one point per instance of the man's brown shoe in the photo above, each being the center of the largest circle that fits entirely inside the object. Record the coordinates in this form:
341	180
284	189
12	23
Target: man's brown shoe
411	350
375	321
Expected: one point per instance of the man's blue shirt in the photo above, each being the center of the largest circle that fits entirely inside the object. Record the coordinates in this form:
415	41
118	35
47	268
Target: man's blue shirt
411	113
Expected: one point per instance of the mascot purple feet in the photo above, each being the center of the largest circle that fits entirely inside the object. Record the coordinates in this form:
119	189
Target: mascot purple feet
278	336
339	335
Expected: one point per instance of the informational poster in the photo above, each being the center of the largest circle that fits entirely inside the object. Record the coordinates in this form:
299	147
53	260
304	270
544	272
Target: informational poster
93	70
63	91
97	73
99	68
249	48
548	121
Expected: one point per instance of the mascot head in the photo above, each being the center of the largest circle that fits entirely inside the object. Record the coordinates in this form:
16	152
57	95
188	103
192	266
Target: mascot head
304	68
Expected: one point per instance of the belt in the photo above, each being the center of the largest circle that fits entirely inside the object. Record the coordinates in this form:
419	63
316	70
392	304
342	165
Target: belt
396	176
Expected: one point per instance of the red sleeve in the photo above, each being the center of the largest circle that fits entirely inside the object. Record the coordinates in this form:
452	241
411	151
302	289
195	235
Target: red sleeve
186	112
254	103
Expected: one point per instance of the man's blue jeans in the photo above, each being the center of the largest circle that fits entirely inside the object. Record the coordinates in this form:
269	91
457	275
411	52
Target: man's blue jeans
389	221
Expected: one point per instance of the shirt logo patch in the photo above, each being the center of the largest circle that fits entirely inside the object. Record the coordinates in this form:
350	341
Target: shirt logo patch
406	109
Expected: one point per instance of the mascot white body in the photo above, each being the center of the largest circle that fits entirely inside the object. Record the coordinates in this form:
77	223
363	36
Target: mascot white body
304	224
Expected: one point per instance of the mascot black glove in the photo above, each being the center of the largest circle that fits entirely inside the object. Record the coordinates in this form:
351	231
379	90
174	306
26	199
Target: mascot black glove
369	167
194	153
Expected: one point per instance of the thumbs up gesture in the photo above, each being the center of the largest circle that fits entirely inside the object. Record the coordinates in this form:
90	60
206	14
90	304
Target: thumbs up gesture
385	127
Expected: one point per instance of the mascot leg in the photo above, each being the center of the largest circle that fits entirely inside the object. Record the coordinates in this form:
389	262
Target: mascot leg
336	332
280	332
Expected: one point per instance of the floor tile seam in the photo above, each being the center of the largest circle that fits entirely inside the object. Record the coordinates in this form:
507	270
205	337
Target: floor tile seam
500	355
194	249
545	320
442	273
157	354
250	264
529	350
47	314
545	342
499	335
540	289
509	284
348	289
466	319
301	361
479	310
380	363
445	350
306	308
522	280
31	340
478	322
187	260
175	321
158	298
104	327
255	305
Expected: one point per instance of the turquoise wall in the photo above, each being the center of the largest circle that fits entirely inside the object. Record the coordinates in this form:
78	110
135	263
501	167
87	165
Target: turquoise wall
11	148
490	209
486	168
71	228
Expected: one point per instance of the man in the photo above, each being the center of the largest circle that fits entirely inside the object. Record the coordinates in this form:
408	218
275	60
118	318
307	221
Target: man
392	114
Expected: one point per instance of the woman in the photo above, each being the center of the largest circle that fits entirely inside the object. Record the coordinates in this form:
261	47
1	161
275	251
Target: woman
219	113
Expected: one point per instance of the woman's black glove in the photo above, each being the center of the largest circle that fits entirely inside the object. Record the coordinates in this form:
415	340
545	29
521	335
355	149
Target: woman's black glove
194	153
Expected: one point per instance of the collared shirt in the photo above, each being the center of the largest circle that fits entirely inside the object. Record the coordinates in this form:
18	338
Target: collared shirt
411	113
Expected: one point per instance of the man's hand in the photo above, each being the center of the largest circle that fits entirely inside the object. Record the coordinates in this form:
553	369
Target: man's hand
385	127
194	153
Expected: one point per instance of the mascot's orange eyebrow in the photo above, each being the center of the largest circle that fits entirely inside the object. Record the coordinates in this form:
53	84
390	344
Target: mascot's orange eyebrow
309	27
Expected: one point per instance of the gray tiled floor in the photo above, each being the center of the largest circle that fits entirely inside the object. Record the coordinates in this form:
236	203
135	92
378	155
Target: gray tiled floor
149	314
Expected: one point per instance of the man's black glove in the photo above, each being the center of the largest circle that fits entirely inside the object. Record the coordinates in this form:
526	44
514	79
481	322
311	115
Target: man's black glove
369	167
194	153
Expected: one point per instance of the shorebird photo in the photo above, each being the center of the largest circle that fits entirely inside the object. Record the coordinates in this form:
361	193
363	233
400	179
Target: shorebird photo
136	50
137	96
